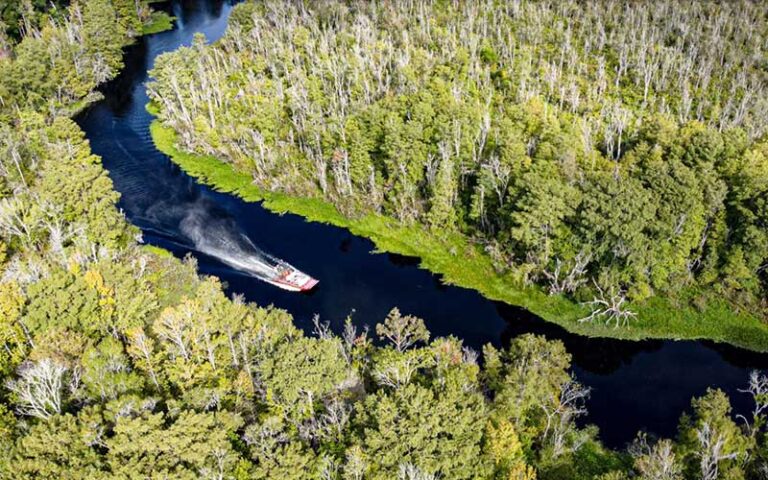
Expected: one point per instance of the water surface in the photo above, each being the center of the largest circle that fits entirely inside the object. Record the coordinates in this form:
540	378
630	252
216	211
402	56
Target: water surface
636	385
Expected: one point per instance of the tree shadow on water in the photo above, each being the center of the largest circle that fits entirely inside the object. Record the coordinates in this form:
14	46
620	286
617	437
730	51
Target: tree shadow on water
600	356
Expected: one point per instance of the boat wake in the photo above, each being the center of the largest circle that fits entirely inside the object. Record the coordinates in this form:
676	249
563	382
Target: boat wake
220	237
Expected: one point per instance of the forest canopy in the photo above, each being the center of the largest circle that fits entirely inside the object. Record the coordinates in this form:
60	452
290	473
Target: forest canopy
607	151
66	52
119	361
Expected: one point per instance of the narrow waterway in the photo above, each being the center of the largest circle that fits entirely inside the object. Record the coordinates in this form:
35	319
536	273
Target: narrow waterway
636	385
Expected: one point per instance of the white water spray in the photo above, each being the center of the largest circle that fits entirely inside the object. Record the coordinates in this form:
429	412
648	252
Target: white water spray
221	239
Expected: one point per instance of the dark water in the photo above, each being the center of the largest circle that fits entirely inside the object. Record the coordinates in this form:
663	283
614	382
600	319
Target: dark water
636	385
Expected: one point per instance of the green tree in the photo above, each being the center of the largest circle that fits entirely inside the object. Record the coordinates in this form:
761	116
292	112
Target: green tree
58	448
710	443
402	331
541	204
278	454
301	372
107	372
63	300
437	432
190	446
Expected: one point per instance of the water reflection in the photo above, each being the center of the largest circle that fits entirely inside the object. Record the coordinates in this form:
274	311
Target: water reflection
596	355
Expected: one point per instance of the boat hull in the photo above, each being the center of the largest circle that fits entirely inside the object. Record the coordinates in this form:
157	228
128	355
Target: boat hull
293	287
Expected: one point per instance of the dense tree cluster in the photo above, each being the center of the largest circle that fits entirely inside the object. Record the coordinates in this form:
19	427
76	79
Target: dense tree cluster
608	151
64	55
16	17
20	18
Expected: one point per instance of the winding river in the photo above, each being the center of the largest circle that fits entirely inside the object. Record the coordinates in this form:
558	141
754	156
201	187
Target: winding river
636	385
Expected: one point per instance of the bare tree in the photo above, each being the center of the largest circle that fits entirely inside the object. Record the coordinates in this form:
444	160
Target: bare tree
409	471
758	389
16	221
350	339
561	415
355	464
500	175
609	306
39	388
334	420
174	326
657	461
321	329
568	282
142	346
616	120
711	445
398	373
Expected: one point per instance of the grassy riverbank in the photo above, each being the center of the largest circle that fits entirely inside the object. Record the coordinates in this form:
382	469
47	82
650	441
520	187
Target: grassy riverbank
463	264
158	22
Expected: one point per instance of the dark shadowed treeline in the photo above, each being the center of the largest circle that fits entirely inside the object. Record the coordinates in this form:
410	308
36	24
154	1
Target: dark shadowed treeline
608	151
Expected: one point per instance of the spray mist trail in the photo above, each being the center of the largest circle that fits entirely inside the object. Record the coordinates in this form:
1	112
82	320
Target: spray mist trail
216	236
220	238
